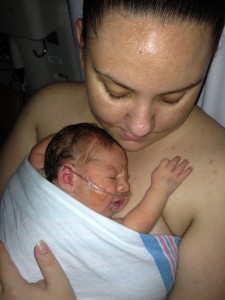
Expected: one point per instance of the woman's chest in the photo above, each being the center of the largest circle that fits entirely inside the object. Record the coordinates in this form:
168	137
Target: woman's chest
187	199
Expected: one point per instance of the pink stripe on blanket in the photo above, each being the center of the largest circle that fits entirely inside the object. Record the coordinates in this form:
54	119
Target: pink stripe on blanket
169	252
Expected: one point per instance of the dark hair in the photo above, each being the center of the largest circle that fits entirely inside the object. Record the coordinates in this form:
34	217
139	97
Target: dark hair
79	143
211	12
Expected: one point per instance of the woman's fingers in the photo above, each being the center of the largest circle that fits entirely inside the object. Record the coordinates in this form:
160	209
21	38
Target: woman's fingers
9	274
55	279
55	284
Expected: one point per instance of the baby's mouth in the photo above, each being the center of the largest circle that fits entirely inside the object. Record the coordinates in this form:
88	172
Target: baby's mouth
117	203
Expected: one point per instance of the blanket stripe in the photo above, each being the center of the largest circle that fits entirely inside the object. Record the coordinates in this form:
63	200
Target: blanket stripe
165	255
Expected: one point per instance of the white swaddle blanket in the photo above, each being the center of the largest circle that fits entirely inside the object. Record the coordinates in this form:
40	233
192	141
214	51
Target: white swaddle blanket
102	259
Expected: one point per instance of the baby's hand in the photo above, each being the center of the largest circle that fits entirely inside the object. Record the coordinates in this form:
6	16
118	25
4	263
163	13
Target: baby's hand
37	154
170	174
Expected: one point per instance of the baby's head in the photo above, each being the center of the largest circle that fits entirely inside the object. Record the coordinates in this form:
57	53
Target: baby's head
85	150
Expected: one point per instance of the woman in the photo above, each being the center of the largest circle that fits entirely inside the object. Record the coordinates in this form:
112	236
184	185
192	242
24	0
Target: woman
145	64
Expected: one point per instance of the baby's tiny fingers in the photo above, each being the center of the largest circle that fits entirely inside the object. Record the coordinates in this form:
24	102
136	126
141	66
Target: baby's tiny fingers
164	162
185	173
174	162
182	165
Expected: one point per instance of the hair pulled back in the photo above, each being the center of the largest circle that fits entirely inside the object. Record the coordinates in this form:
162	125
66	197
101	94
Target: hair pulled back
210	12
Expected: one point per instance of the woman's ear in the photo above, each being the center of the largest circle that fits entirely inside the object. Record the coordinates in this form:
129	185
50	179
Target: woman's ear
66	179
80	40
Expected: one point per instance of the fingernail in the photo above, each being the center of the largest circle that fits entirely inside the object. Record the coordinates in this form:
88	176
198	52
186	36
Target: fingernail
42	247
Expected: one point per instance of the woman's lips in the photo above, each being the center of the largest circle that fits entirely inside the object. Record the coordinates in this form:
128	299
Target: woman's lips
130	137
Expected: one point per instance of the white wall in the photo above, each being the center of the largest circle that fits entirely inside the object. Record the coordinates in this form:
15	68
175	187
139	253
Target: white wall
212	99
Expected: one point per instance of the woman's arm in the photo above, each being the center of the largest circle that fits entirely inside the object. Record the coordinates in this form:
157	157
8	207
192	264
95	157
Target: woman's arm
49	110
201	267
54	286
24	135
19	143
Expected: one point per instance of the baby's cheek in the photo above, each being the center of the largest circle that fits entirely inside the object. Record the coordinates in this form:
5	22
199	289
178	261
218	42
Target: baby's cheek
98	198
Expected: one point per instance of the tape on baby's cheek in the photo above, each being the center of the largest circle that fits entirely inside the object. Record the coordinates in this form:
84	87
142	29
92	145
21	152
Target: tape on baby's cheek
98	197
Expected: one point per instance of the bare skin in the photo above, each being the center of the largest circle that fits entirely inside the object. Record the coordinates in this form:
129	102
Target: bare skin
167	176
150	128
109	169
51	287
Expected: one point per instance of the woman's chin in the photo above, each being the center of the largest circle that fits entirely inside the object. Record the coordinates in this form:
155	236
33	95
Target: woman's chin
133	146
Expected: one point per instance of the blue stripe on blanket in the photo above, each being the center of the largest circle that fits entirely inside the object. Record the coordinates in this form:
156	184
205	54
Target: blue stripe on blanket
164	249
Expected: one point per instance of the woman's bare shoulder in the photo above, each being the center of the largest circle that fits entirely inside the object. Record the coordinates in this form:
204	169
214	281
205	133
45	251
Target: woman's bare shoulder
62	103
64	92
205	131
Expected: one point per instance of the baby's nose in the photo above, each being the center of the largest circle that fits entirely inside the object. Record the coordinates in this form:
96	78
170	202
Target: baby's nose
123	185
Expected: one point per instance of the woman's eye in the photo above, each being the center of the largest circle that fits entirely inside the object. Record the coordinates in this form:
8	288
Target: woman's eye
171	102
113	96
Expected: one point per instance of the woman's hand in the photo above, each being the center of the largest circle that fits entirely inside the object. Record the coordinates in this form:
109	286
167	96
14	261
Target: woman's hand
54	286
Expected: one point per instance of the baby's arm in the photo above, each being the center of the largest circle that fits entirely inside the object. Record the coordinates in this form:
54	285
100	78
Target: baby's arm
37	154
165	179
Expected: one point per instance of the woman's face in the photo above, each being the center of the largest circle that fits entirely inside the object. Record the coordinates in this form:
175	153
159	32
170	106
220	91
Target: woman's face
143	76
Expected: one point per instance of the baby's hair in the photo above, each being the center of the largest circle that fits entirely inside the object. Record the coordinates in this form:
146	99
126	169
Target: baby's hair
75	143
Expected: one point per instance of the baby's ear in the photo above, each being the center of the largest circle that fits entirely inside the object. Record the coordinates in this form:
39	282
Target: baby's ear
66	178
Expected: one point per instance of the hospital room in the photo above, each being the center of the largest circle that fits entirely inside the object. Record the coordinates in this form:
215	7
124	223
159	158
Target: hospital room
38	46
112	149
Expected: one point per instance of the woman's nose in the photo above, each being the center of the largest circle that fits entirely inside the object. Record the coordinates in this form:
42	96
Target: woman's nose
140	120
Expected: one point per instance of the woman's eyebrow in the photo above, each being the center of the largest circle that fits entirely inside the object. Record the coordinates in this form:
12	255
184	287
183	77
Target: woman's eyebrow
114	80
183	89
179	90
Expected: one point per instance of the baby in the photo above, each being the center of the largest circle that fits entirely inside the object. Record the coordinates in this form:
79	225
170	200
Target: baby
87	163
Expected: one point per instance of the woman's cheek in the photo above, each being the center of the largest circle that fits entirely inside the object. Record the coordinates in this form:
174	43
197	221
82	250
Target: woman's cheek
173	117
105	110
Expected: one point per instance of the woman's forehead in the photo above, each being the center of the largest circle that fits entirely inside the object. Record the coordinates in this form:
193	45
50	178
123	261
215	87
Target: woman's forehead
127	44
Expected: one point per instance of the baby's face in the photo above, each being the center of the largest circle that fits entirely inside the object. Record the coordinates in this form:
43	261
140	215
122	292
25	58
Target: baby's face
109	172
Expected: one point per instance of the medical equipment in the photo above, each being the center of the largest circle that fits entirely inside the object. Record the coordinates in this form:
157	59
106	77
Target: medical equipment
41	40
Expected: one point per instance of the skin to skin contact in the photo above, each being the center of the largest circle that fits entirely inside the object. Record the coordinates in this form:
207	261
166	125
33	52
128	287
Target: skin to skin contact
148	78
